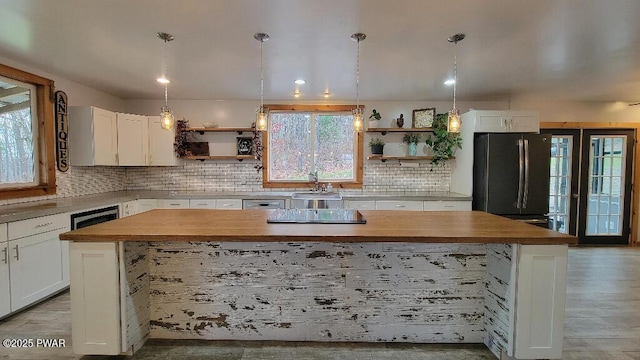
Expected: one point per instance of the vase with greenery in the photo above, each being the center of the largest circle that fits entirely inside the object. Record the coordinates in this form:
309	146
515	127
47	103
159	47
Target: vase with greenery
183	138
374	119
377	146
412	139
442	143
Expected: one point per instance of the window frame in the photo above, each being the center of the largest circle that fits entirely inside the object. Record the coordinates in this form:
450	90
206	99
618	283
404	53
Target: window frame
45	145
318	109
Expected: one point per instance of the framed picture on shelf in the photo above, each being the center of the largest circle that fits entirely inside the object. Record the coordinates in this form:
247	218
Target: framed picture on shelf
244	145
423	118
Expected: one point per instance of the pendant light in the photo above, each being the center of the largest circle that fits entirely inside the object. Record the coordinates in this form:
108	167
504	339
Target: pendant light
357	112
263	113
453	121
166	115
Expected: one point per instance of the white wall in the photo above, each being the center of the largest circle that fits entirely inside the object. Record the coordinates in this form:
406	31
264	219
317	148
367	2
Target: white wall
570	111
77	94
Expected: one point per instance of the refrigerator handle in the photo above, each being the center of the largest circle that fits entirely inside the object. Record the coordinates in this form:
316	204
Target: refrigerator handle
520	172
525	194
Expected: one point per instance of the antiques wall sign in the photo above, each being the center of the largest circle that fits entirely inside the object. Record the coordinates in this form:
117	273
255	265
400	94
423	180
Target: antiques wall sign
62	131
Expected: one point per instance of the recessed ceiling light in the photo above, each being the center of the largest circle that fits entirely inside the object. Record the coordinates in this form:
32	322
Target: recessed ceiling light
300	82
163	80
449	82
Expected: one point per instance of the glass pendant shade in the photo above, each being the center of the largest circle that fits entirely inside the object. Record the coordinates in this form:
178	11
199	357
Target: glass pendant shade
357	120
453	123
166	118
261	119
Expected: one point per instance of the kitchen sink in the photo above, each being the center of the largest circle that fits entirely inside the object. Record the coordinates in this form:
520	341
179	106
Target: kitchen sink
316	195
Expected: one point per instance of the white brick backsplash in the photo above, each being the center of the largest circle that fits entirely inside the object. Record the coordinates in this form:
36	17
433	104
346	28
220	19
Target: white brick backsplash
233	176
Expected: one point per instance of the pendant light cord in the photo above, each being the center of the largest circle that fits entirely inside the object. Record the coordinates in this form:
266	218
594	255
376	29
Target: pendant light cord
358	75
261	77
455	79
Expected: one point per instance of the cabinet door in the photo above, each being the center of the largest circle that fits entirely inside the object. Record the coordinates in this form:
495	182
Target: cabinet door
128	208
491	121
523	121
447	205
235	204
161	151
133	140
361	204
398	205
146	205
202	203
36	268
105	137
173	203
5	295
539	327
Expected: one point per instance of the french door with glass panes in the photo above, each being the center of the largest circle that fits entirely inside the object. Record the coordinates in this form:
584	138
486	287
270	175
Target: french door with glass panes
605	183
590	184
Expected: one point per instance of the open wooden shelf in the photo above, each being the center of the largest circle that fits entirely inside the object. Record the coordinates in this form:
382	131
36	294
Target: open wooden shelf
385	158
384	131
203	130
220	157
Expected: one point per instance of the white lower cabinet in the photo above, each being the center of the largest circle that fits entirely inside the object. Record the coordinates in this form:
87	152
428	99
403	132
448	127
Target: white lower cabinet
147	204
202	203
173	203
5	295
36	259
360	204
447	205
95	298
128	208
235	204
399	205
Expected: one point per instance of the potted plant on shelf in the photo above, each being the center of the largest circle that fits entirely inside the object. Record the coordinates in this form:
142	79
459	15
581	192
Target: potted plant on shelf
412	139
183	138
377	146
442	143
374	119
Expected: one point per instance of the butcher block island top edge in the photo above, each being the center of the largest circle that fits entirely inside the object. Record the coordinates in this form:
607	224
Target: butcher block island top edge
381	226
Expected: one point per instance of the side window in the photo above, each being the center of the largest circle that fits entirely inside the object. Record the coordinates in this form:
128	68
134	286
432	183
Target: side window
26	135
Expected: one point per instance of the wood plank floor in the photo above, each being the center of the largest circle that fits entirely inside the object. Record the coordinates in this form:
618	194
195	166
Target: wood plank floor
602	322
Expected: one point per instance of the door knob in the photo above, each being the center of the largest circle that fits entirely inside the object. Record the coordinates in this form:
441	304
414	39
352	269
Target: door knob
575	195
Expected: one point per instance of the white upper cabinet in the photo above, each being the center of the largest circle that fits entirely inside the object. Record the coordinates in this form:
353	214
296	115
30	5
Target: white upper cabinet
133	140
93	136
501	121
160	144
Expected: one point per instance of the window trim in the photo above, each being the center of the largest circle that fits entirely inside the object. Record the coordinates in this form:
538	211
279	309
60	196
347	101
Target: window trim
357	184
45	136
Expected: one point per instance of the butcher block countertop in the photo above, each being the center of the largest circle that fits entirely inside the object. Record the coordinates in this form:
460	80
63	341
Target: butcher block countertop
381	226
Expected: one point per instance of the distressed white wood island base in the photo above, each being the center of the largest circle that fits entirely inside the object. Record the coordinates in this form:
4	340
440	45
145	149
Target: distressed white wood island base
403	277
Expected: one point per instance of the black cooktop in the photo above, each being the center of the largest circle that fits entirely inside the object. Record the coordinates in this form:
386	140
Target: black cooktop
316	216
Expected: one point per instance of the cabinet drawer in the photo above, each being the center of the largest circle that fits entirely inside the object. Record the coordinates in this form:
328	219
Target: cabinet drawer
398	205
361	204
228	203
446	205
202	204
20	229
173	203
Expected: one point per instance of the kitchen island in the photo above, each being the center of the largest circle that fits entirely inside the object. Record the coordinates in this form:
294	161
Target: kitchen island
403	276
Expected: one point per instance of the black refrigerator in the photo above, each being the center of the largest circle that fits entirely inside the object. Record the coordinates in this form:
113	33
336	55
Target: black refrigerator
511	176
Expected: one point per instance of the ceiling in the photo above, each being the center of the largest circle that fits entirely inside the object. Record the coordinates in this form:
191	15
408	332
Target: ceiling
583	50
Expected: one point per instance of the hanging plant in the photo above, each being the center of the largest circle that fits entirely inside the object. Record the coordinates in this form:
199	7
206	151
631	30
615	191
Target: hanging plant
443	143
257	147
183	138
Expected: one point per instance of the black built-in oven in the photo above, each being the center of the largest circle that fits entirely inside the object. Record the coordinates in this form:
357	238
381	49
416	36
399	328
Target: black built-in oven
92	217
